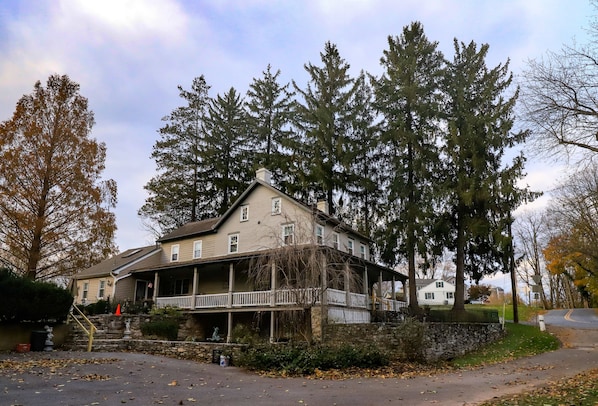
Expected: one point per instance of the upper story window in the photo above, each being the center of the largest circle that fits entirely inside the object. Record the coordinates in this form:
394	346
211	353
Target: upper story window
174	253
276	205
319	234
362	252
350	245
335	240
233	243
244	213
85	290
440	284
102	289
197	248
288	234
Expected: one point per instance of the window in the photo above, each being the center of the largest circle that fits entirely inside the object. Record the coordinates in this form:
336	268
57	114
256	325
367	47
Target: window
244	213
350	245
362	251
233	243
319	234
85	290
197	246
181	286
101	289
174	253
335	240
440	284
450	295
276	205
288	234
429	295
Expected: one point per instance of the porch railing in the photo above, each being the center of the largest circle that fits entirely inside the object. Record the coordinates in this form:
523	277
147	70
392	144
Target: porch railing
89	332
282	297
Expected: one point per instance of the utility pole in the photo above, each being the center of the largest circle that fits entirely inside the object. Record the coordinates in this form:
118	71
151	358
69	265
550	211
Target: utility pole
512	270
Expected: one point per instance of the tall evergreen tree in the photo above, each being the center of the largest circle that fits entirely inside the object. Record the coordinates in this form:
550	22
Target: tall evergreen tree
480	190
176	192
270	107
323	118
229	150
408	98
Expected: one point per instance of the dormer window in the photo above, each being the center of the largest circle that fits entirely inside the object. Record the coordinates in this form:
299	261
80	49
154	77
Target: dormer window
174	253
276	205
245	212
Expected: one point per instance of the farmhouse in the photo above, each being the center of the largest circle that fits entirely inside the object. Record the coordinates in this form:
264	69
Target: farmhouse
268	257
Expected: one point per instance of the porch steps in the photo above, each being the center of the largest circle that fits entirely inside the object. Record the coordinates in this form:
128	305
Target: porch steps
104	339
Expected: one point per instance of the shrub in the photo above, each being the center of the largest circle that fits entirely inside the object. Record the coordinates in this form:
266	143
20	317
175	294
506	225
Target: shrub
161	328
304	360
22	299
242	334
99	307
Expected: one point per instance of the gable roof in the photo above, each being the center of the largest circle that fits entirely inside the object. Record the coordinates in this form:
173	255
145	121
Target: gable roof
193	228
120	263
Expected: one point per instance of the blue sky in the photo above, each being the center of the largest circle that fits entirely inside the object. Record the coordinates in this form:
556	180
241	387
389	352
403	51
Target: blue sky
130	55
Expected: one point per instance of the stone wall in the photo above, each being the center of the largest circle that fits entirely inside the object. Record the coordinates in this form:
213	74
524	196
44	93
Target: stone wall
417	341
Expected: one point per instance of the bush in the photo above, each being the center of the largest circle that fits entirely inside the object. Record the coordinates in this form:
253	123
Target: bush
22	299
99	307
163	328
304	360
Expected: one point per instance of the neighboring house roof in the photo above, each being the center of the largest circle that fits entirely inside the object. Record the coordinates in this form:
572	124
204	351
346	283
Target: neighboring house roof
122	263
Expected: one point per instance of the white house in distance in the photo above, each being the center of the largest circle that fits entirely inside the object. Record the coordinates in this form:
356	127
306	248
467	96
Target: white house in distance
435	292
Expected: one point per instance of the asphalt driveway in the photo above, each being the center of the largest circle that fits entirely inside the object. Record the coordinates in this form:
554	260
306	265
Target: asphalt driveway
78	378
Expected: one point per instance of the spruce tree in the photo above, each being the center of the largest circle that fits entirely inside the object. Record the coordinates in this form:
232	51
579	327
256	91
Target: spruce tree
480	190
176	192
408	98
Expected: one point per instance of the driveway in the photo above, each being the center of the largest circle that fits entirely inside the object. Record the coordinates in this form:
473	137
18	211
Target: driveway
77	378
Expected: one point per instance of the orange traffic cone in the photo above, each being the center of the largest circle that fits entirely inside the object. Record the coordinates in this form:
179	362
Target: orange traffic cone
117	310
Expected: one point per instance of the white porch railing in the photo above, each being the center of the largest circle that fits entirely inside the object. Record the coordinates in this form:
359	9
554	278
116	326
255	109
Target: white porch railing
282	297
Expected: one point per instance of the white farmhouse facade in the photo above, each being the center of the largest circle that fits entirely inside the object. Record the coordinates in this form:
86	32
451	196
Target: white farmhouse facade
435	292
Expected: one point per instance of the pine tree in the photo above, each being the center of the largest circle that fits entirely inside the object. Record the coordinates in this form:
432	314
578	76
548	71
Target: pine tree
176	192
480	190
408	98
323	119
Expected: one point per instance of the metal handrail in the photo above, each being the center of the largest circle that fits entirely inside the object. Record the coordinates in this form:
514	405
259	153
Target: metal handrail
92	328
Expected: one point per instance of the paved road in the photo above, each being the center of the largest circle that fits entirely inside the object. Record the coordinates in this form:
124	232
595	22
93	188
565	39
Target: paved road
573	318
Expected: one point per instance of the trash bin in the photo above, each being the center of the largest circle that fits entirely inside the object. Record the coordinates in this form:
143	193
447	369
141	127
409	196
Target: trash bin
38	340
216	356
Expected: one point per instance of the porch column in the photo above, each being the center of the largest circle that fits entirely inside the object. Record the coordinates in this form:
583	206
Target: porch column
272	326
347	284
324	277
229	328
394	295
231	282
379	293
156	287
366	290
194	291
273	283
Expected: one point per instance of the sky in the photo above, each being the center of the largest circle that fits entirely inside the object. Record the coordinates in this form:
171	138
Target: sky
129	56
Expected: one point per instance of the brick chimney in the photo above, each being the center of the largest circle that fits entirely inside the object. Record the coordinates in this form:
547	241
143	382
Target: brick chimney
323	206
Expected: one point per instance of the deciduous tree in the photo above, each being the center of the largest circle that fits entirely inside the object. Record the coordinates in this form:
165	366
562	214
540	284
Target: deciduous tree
54	205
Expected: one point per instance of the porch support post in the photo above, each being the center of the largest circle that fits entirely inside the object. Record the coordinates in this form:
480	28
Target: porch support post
195	282
156	287
366	290
394	294
229	328
231	282
272	283
379	293
272	325
324	277
347	284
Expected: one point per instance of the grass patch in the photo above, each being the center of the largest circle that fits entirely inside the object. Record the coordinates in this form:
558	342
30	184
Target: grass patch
524	312
581	389
521	341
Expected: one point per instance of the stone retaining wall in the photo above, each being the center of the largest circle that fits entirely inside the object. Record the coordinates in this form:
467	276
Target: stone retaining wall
417	341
